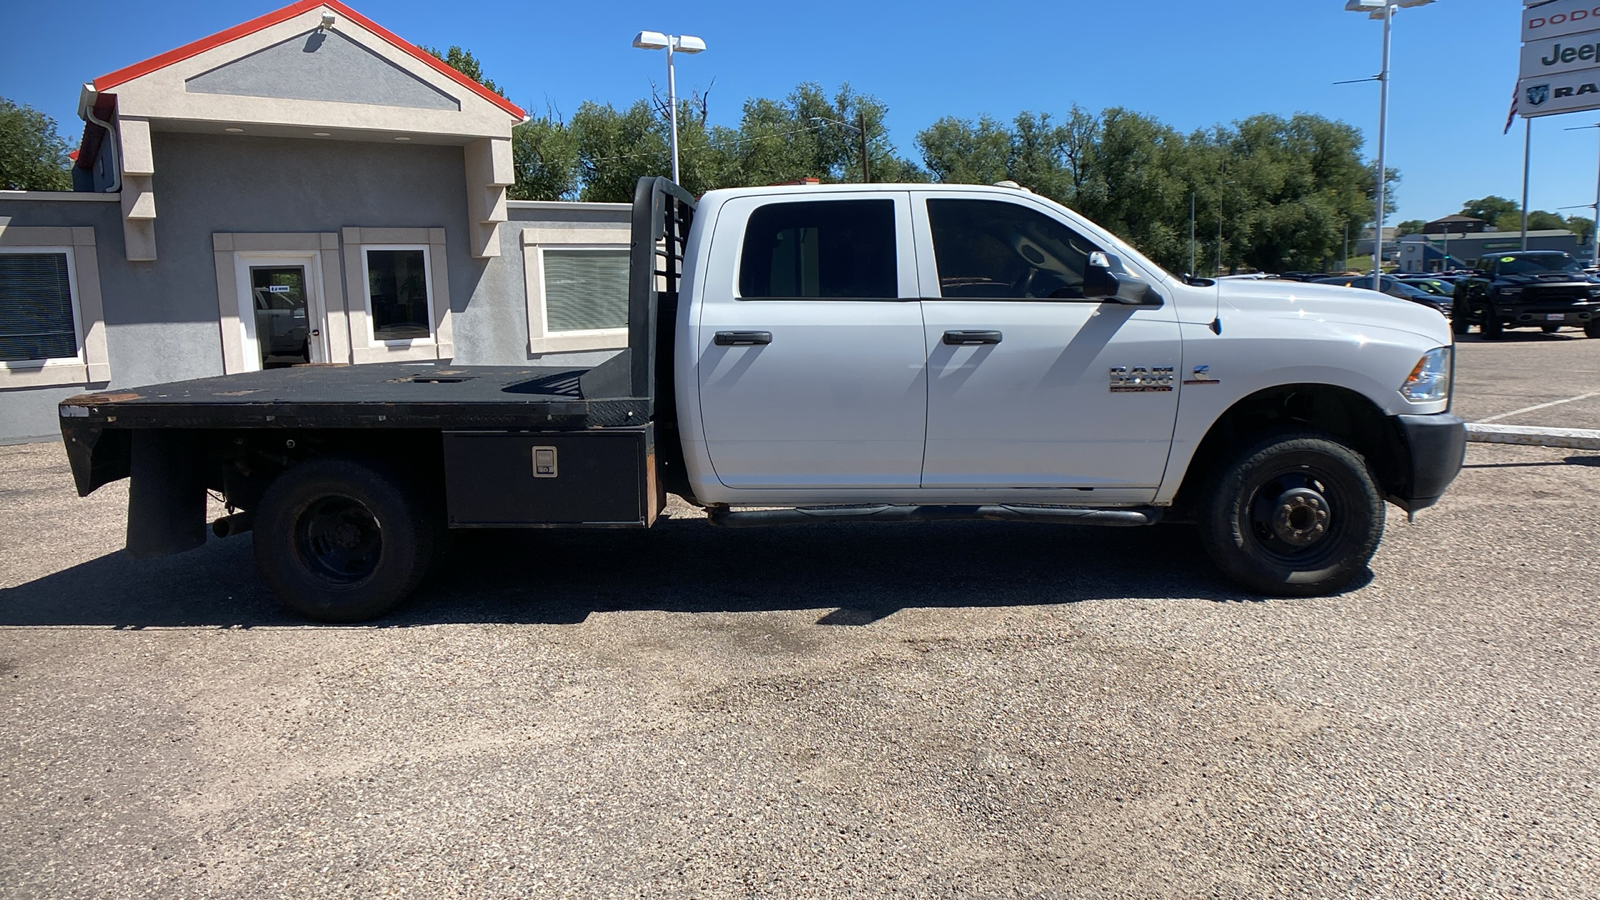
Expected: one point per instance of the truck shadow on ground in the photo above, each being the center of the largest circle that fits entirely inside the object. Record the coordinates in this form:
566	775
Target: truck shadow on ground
856	573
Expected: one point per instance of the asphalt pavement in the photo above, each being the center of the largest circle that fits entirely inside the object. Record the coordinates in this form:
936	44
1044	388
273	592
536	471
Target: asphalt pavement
961	709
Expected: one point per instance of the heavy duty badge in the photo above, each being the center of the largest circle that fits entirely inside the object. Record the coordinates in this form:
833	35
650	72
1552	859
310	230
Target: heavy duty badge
1140	379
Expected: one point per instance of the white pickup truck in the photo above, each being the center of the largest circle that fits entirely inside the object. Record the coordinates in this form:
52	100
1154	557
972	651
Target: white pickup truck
824	353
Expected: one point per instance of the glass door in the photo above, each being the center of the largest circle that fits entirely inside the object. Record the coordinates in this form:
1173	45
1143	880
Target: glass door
278	301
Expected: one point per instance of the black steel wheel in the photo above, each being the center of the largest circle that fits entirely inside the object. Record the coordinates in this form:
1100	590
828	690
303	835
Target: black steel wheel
341	541
1292	516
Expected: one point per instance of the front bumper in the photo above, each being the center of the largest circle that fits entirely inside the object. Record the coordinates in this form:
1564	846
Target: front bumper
1435	447
1548	312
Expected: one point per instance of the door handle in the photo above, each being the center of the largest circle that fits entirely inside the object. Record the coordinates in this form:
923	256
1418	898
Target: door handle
742	338
967	338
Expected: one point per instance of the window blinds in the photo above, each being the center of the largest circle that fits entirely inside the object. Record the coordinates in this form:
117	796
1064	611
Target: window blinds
36	307
585	290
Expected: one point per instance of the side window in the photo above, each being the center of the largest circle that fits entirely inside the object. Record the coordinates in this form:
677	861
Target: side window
999	250
820	249
37	320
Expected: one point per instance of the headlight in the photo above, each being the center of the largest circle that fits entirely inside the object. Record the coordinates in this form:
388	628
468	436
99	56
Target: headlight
1511	292
1430	378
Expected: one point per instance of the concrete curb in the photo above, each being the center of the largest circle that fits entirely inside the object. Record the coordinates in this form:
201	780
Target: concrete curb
1569	438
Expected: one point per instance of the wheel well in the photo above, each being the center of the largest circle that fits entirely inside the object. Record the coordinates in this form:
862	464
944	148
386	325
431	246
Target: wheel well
1335	412
245	461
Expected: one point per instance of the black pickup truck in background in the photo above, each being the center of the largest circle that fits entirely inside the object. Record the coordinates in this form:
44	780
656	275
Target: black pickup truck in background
1532	288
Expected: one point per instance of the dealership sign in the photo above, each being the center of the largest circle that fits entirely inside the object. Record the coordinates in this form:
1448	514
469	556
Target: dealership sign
1558	18
1570	53
1560	71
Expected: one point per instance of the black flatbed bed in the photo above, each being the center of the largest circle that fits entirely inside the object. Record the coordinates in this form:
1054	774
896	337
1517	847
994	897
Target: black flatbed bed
385	395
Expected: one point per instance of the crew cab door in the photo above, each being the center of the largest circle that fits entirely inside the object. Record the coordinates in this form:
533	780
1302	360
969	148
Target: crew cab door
1030	384
810	343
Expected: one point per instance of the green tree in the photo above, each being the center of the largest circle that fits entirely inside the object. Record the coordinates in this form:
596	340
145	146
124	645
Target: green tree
464	62
1491	208
544	155
1410	226
1538	220
1582	226
33	157
617	148
958	151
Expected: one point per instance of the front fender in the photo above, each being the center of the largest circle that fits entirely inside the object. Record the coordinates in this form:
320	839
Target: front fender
1243	361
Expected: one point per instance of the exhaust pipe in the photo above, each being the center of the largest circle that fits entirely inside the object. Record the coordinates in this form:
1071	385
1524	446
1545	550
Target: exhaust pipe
238	523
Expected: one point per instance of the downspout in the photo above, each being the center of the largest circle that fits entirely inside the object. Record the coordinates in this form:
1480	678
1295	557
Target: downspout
86	101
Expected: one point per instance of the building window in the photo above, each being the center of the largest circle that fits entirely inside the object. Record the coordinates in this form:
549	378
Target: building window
38	308
399	293
585	289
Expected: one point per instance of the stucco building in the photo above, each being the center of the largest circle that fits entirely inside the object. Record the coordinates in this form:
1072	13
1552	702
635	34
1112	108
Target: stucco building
305	186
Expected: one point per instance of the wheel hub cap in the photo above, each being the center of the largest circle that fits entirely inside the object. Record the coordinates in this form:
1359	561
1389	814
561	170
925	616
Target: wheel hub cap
1300	517
347	536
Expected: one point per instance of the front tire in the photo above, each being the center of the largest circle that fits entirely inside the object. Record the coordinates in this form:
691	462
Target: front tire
341	541
1493	329
1293	516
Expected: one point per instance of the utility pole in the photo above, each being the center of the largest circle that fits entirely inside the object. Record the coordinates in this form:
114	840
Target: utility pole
1191	234
861	129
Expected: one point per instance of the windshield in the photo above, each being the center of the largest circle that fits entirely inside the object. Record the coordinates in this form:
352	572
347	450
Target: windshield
1538	264
1432	287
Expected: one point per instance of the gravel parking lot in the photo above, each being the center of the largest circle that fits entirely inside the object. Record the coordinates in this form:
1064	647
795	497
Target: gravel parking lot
949	710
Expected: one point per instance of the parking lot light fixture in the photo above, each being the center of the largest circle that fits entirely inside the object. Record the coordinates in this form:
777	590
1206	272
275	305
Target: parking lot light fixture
672	43
1381	9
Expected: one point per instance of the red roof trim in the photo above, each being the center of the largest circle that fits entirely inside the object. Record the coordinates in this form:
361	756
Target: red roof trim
195	48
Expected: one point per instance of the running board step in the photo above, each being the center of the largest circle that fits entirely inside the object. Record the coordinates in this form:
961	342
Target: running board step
812	515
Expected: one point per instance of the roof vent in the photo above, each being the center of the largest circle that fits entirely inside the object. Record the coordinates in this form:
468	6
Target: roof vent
1012	185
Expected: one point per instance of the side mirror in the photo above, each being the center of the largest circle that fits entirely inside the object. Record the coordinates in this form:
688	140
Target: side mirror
1106	278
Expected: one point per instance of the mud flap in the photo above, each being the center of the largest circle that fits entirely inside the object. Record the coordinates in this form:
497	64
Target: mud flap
167	499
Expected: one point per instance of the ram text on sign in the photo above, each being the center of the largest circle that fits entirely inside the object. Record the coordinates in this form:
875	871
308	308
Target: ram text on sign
1560	18
1569	53
1548	95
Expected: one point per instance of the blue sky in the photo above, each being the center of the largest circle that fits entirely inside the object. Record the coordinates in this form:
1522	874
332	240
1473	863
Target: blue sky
1189	64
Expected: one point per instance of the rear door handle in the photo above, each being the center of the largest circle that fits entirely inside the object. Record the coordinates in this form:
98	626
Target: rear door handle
965	338
742	338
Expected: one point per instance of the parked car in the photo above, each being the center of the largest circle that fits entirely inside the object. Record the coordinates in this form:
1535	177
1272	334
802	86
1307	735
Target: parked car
1532	288
1394	287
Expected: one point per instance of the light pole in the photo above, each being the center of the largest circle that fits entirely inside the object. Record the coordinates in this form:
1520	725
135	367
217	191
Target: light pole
1594	257
1381	9
680	43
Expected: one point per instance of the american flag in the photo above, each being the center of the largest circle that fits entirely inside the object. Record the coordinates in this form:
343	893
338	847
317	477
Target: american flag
1512	116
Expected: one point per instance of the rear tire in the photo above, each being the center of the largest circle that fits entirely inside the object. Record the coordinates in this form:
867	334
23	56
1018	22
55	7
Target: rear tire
341	541
1549	329
1592	328
1295	515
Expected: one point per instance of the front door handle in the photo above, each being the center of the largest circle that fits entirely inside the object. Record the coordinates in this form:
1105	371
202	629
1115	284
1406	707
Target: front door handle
742	338
966	338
